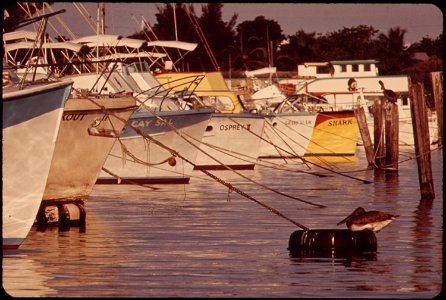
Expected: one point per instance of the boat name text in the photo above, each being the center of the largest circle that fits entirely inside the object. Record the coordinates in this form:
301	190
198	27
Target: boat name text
234	127
151	122
340	122
301	122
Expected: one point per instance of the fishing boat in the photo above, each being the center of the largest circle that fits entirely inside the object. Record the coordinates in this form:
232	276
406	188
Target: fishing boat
32	114
286	134
302	130
158	124
343	85
156	147
233	136
90	127
231	140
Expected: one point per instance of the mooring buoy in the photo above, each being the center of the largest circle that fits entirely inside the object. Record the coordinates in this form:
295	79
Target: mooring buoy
331	242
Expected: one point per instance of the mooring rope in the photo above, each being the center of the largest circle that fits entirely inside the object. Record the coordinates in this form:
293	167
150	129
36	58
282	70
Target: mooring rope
229	168
137	130
119	179
271	209
317	165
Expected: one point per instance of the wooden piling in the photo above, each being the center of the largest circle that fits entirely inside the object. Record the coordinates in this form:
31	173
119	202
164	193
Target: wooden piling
365	134
392	135
378	133
437	88
422	142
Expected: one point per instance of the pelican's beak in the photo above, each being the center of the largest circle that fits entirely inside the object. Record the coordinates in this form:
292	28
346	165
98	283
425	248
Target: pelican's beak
346	219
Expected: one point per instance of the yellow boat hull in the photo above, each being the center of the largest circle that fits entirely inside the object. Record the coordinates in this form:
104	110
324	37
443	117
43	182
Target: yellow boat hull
334	134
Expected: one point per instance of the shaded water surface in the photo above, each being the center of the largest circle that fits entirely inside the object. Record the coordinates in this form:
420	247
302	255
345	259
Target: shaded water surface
199	240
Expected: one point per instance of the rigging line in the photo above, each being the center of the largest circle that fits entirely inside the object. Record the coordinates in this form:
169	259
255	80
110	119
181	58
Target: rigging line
119	179
278	132
209	174
317	165
240	155
271	209
187	140
182	135
277	148
325	148
228	152
223	182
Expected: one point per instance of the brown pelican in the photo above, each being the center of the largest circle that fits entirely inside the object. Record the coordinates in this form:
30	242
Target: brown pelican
389	94
371	220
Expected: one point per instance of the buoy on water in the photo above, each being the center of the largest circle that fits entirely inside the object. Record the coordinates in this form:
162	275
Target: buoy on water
331	242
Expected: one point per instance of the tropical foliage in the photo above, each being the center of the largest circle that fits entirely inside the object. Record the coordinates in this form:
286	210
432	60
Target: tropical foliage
261	42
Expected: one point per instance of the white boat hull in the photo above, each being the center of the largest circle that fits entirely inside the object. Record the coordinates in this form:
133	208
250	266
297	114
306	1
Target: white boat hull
287	134
231	140
142	161
31	120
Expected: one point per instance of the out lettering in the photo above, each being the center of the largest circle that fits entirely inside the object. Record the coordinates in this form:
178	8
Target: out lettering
73	117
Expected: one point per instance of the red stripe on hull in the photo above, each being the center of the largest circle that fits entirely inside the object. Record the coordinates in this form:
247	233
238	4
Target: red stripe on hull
223	168
143	181
10	247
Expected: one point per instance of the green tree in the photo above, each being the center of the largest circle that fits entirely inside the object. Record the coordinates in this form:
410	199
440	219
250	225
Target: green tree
302	47
393	52
222	36
348	43
175	21
257	42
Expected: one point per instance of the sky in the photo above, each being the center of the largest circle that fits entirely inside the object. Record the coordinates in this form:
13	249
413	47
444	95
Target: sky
419	20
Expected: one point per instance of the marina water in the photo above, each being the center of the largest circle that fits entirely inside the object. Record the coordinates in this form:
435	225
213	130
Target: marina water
200	240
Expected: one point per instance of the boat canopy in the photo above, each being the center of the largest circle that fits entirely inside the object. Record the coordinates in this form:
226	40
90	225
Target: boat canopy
108	40
270	70
132	55
19	35
29	45
173	44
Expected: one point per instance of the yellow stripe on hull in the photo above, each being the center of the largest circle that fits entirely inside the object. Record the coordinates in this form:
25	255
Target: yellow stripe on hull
334	135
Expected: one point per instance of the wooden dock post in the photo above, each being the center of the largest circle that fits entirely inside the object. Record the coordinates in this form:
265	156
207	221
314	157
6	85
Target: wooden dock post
392	135
378	133
422	143
365	134
437	88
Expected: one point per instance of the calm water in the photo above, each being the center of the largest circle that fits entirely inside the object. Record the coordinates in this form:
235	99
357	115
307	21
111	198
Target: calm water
198	240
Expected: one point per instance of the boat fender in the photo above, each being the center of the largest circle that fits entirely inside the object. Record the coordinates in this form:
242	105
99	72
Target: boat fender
172	161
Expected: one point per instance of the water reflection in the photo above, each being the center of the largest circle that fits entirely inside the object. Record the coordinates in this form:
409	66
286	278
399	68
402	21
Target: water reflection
30	282
189	240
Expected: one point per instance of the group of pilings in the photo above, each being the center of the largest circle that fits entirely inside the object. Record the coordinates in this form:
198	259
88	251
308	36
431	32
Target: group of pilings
383	153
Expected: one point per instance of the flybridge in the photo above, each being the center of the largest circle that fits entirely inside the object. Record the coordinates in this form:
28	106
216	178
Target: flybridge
339	68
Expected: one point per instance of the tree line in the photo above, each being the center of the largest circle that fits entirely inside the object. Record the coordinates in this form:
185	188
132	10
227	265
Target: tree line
260	43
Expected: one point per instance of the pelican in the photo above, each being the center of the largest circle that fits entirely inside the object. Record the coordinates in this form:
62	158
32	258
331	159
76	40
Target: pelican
371	220
389	94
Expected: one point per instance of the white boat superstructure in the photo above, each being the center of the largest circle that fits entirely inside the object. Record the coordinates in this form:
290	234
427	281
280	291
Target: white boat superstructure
31	118
342	84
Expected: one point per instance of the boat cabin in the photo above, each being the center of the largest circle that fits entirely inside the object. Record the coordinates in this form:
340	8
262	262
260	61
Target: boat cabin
338	68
